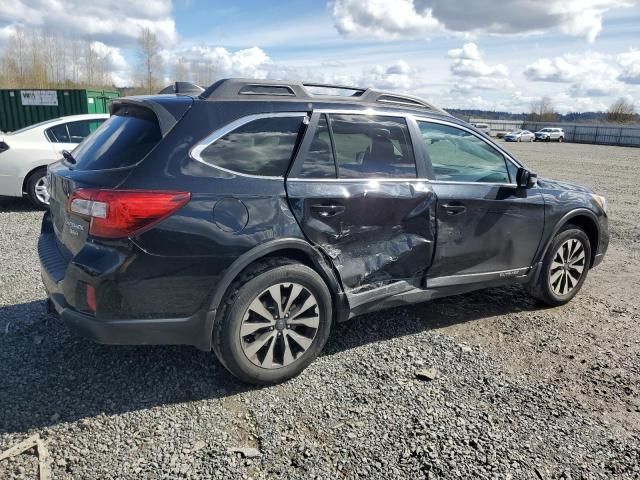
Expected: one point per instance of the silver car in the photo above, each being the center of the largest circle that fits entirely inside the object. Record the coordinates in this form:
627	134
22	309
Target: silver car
549	134
483	127
519	136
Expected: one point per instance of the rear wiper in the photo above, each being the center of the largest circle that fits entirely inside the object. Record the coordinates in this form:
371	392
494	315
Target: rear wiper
66	154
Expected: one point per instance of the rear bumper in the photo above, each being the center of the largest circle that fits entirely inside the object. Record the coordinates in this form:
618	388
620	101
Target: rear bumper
194	330
62	280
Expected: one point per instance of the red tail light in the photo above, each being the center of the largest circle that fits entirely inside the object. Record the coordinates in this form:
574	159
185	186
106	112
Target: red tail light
122	213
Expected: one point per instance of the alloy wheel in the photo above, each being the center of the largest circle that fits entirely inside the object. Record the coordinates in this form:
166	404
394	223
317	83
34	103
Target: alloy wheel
567	267
280	325
42	191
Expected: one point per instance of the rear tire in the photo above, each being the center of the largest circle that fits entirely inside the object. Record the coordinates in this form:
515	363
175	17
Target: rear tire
37	191
262	343
560	139
564	268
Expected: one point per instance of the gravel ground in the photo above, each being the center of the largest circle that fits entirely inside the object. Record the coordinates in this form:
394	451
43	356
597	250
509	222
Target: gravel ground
520	391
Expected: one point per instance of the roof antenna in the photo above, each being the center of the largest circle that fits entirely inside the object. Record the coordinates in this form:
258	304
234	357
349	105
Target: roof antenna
182	88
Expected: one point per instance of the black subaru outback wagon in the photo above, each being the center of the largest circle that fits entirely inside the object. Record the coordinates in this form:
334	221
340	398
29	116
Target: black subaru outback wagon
247	219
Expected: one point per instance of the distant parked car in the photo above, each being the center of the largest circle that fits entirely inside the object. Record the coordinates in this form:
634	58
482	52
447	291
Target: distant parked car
25	153
519	136
549	134
483	127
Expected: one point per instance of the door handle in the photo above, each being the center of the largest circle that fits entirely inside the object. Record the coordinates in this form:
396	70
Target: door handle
454	209
327	211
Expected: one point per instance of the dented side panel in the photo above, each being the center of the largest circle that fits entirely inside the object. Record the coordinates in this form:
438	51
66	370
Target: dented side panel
486	228
376	232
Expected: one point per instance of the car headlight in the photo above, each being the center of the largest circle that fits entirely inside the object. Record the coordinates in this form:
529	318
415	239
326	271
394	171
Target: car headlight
601	201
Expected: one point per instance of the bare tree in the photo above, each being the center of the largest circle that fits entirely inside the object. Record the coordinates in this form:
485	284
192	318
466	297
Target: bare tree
621	111
181	72
542	110
204	72
151	62
41	59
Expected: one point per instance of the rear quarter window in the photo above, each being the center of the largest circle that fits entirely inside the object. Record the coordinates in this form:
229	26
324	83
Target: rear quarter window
263	146
123	140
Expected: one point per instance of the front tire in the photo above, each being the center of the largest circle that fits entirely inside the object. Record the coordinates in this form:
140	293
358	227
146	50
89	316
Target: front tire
564	268
37	189
560	139
274	324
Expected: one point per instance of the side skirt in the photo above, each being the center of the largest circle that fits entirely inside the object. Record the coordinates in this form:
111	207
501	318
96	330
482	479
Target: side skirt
402	293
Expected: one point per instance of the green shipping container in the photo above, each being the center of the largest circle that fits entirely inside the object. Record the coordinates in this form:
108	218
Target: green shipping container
21	108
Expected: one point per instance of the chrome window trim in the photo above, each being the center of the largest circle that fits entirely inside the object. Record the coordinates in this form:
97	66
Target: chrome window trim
399	180
416	118
196	151
360	180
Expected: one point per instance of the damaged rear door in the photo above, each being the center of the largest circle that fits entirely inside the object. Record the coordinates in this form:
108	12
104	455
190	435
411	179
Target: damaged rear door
357	189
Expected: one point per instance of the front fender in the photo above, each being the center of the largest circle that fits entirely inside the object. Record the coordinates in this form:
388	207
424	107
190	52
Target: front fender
577	212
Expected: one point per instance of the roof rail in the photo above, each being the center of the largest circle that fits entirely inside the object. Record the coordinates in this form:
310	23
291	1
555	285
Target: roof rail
357	91
238	88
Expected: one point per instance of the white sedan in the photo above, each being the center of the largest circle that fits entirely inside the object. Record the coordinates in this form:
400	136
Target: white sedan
519	136
25	153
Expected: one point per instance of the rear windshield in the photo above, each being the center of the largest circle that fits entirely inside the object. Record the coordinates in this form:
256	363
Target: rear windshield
123	140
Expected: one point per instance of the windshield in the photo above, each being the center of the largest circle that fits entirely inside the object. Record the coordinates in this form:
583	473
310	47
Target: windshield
123	140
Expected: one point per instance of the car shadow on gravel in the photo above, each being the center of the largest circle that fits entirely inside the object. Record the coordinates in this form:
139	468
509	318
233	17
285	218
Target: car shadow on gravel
432	315
49	375
16	204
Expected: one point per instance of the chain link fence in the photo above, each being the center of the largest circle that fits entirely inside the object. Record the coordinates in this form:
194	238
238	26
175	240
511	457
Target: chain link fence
602	134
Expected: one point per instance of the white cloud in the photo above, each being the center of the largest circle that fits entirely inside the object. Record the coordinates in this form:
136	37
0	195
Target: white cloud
399	68
630	65
472	73
427	18
590	74
382	18
467	62
112	22
249	62
6	33
559	69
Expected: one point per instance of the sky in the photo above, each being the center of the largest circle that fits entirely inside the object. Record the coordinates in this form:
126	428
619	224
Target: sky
498	55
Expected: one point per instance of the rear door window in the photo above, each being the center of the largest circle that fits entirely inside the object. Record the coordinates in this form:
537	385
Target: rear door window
372	146
260	147
318	162
123	140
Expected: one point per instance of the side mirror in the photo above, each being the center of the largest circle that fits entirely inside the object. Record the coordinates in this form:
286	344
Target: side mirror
525	178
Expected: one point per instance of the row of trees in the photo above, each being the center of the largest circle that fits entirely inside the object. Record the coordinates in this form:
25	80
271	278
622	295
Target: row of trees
149	51
36	59
621	111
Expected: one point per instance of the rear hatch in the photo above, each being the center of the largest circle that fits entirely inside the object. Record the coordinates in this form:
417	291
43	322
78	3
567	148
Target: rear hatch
106	158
